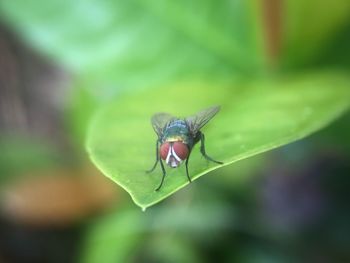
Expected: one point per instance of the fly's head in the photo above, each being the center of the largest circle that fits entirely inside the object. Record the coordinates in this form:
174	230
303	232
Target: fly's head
174	153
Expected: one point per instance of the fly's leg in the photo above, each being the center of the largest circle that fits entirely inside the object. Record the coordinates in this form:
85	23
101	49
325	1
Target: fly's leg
157	158
164	173
186	164
203	150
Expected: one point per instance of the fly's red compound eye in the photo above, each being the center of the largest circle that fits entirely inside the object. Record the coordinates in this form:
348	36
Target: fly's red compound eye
164	149
177	150
181	150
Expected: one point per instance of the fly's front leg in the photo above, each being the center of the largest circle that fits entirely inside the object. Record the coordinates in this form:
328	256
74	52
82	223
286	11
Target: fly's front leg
164	173
186	164
203	150
157	158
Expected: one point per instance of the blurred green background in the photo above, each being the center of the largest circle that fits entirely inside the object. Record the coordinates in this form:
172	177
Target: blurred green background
61	61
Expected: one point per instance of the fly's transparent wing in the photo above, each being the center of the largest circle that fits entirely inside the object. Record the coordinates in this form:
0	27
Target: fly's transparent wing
159	120
197	121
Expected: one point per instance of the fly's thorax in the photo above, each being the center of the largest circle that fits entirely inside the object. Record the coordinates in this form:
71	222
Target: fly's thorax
174	153
177	130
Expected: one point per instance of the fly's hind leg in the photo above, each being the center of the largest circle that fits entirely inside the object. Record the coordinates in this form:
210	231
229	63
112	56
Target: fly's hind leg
202	149
157	158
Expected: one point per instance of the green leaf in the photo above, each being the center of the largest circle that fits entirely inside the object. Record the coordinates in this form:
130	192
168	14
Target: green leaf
255	117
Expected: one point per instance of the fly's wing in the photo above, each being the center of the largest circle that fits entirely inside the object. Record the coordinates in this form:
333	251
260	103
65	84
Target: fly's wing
197	121
159	120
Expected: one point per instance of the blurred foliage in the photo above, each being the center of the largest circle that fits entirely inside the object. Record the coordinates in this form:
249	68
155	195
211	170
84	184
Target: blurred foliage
152	39
74	194
310	27
149	47
20	155
134	38
161	234
80	108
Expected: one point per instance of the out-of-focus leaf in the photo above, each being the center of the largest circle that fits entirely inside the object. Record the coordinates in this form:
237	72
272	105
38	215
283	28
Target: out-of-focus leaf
143	39
172	249
237	177
125	235
138	41
20	155
81	106
255	117
309	26
113	239
335	137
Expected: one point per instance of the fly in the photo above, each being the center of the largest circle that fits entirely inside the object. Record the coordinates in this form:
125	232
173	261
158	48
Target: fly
177	137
